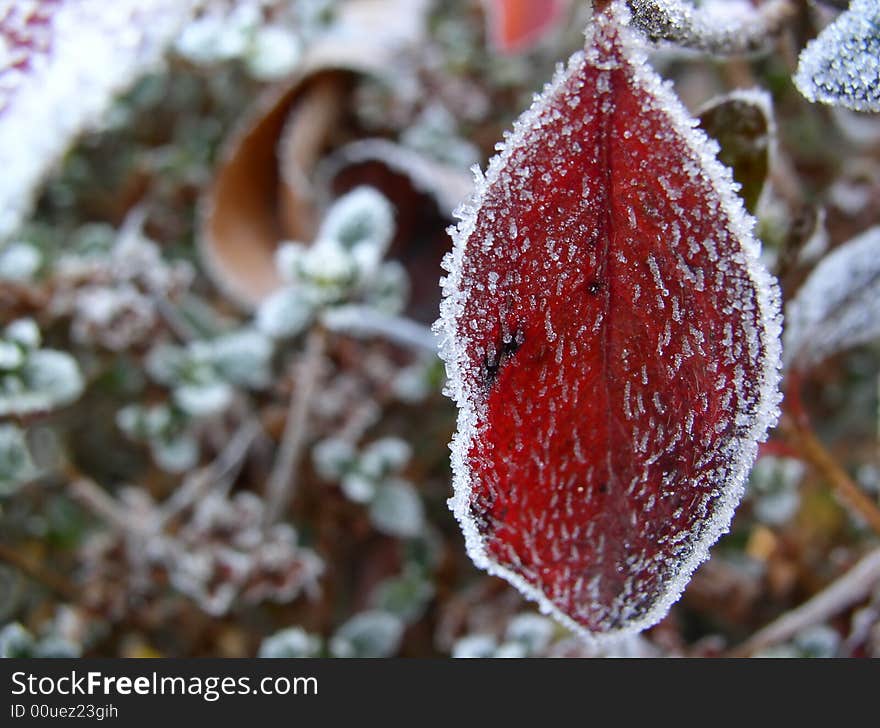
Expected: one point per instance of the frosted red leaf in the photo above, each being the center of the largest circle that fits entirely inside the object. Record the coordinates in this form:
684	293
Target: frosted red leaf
517	25
611	341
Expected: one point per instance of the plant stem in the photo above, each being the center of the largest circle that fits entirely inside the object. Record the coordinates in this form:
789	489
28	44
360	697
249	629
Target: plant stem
102	504
219	474
281	485
50	580
849	589
802	438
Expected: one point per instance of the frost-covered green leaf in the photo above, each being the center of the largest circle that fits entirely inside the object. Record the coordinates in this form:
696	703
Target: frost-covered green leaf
176	454
288	260
475	646
435	133
527	635
285	314
384	456
219	35
291	642
173	447
24	332
342	265
511	650
16	465
203	375
531	630
406	595
838	306
16	641
358	487
19	261
144	422
242	357
273	53
388	288
414	383
369	634
367	477
33	379
362	222
397	509
774	487
329	270
333	456
720	27
842	65
204	399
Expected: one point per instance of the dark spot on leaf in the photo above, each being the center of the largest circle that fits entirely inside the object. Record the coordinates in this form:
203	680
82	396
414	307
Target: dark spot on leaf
500	354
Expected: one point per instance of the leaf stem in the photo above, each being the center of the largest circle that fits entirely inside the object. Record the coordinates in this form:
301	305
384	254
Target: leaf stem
281	485
800	436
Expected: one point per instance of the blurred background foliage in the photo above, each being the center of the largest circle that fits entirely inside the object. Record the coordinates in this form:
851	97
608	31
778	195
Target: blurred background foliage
184	472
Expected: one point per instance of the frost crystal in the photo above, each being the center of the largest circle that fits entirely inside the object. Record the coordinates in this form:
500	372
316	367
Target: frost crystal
713	26
838	306
62	63
611	341
842	66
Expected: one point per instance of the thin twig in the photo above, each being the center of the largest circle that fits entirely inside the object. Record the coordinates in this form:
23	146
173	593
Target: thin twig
218	473
55	583
815	453
851	588
359	420
281	485
102	504
180	327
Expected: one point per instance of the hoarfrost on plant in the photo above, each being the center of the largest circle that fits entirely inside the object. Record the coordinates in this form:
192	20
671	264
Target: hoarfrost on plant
842	65
611	341
838	306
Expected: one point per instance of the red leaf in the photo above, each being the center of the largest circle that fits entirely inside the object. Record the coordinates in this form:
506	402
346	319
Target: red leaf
517	25
612	343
